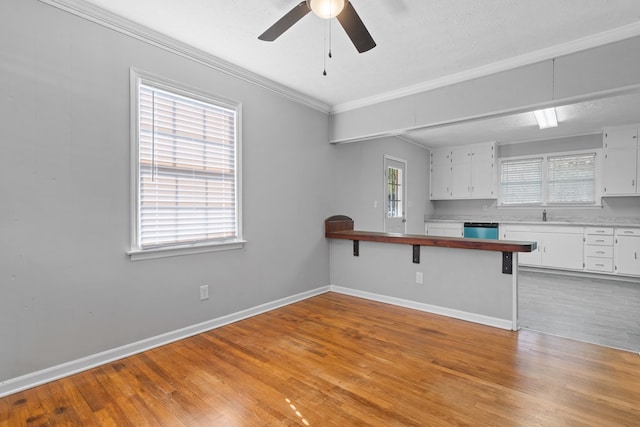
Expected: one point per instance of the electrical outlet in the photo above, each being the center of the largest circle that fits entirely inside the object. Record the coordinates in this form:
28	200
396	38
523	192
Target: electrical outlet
419	278
204	292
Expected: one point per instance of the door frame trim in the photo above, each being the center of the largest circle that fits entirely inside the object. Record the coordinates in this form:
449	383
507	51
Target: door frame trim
405	191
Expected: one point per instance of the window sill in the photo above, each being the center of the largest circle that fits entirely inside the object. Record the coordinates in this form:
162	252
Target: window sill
163	252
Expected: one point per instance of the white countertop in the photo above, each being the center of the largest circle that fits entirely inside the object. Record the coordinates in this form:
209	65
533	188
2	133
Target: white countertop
585	222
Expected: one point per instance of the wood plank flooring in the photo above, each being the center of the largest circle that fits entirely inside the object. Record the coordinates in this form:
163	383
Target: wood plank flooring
595	310
335	360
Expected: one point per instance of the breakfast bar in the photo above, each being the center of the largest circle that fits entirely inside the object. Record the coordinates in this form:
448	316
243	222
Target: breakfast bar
470	279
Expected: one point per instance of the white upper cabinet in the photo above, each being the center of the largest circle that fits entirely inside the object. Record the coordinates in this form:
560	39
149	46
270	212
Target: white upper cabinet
440	174
471	173
483	171
621	162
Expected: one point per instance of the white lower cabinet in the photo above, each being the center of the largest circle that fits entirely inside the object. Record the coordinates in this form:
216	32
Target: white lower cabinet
606	250
560	247
626	250
523	235
598	249
563	248
444	229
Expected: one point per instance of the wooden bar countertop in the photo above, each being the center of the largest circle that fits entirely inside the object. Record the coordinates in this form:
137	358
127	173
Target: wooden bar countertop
341	227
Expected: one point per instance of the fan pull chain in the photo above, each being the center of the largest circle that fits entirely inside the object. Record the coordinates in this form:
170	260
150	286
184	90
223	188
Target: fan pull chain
324	71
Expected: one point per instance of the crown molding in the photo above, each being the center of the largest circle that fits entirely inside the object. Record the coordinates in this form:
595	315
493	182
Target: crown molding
125	26
589	42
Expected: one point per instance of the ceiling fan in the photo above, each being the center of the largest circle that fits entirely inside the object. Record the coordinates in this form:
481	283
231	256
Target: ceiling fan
326	9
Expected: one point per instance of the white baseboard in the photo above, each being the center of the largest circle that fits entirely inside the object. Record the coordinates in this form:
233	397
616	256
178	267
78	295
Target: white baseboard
33	379
449	312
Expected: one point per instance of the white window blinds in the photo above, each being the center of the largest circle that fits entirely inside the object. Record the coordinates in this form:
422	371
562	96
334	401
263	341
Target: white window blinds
572	179
521	181
187	164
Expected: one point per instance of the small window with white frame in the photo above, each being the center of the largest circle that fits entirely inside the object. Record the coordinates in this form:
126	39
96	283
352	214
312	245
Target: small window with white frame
562	179
185	170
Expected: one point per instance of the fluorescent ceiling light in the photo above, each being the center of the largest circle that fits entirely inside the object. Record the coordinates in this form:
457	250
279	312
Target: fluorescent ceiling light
546	118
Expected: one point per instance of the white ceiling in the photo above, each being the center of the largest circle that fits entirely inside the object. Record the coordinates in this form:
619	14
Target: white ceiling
419	41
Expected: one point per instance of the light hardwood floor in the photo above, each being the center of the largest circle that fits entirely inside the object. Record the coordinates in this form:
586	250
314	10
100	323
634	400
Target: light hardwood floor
596	310
336	360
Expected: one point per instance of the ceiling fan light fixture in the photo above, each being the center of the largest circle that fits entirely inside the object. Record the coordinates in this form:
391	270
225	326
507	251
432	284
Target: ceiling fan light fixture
326	9
546	118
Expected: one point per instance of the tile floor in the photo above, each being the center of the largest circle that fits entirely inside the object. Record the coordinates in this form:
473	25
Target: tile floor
596	310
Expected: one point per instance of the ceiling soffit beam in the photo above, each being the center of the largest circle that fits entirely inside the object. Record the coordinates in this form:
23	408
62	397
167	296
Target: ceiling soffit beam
595	40
594	73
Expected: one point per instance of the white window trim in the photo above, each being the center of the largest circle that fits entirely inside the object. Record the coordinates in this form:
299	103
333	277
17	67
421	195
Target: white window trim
137	253
545	181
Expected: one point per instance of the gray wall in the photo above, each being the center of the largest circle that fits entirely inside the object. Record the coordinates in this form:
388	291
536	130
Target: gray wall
358	182
67	288
463	283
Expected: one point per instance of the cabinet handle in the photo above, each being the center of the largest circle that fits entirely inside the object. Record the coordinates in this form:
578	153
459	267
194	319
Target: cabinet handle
633	182
599	231
635	255
600	252
600	240
628	232
599	265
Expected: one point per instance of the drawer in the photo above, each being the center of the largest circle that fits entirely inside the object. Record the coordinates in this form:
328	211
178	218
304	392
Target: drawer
627	231
599	264
599	240
602	231
599	251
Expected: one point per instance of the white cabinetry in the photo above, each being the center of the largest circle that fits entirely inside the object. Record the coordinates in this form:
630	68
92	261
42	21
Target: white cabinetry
598	249
558	246
471	172
444	229
627	251
523	234
621	162
440	174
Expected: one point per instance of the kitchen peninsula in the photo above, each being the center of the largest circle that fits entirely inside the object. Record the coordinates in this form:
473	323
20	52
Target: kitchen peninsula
469	279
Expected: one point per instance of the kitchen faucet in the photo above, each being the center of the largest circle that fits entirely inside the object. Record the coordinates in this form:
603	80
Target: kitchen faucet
544	215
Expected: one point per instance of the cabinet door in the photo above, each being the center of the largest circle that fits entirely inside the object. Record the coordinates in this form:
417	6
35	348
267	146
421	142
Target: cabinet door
440	179
449	229
563	250
525	258
461	173
483	171
620	176
627	255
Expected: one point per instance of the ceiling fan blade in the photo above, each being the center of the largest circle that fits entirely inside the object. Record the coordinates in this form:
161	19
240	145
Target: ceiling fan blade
355	29
286	22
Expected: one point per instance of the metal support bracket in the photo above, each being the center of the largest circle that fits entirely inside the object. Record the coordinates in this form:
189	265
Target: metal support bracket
507	262
356	248
416	254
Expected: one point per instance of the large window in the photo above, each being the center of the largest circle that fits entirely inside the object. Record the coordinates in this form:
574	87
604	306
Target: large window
563	179
186	169
521	181
572	179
